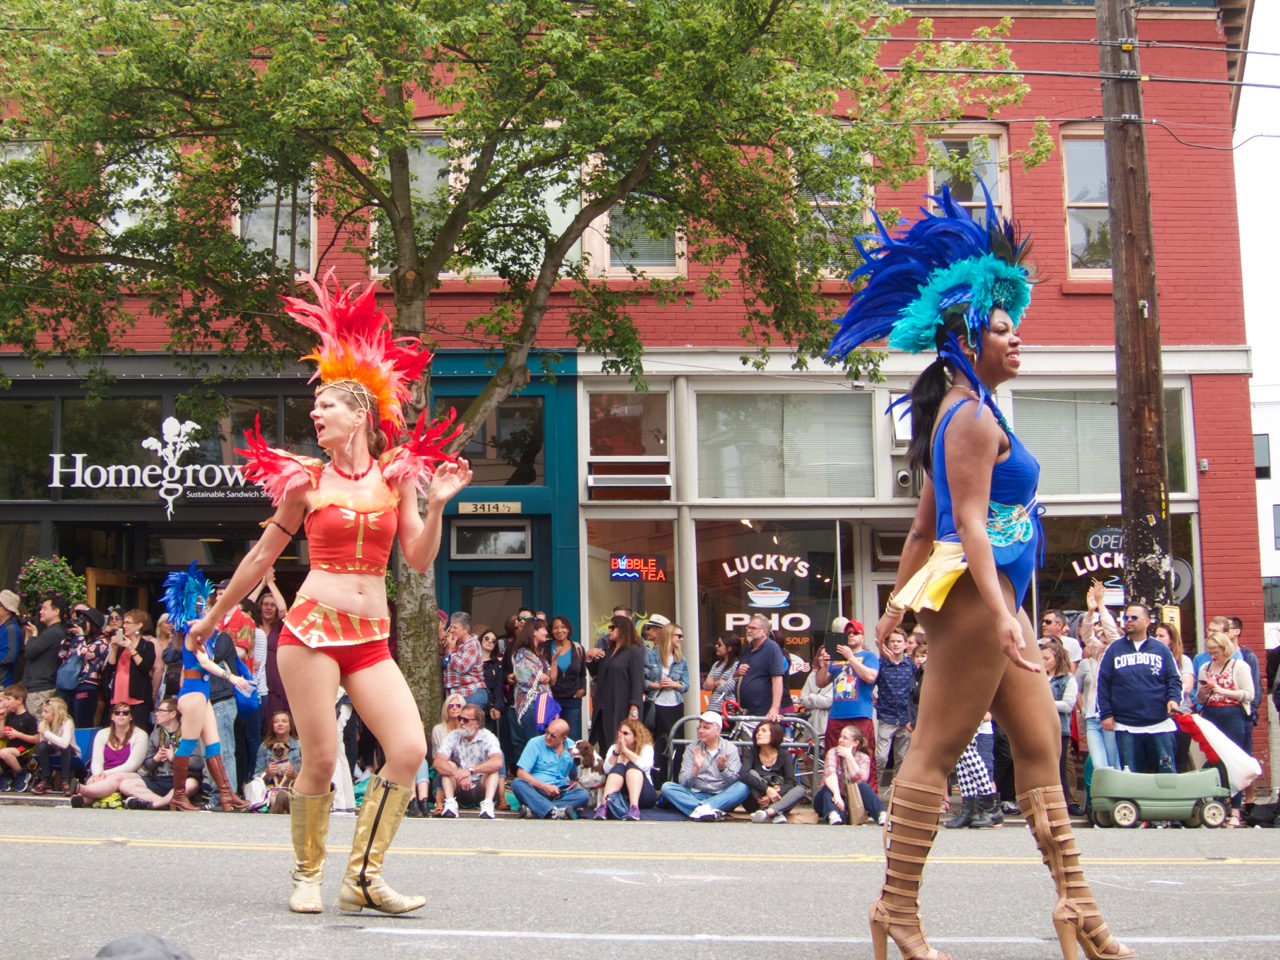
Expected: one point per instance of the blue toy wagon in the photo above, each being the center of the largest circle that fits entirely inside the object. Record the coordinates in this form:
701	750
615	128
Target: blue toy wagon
1124	799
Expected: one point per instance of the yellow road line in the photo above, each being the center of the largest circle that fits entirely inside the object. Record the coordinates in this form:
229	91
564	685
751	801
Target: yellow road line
642	855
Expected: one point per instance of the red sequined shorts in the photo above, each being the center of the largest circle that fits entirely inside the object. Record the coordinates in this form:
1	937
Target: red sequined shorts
353	642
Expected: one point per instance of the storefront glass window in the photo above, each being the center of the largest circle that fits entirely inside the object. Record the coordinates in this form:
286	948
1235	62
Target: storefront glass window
220	446
628	424
299	430
507	448
110	434
26	439
786	570
632	563
19	542
784	445
1075	435
1079	550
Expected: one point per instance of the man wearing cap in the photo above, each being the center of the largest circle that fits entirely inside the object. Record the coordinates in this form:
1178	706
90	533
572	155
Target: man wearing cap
852	700
708	786
10	638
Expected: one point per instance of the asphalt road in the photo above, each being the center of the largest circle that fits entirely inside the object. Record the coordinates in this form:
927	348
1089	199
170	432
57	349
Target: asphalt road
216	884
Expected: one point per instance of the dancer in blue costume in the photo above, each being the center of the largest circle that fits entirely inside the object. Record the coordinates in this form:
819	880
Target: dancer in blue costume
951	284
185	595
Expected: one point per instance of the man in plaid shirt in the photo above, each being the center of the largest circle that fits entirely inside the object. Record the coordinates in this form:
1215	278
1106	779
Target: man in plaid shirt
464	662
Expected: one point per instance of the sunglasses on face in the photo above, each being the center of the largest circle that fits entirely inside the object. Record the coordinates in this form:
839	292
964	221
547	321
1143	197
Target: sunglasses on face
120	713
1132	616
1048	621
466	722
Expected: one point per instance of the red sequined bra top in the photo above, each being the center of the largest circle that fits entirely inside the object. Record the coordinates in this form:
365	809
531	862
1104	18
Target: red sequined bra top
345	536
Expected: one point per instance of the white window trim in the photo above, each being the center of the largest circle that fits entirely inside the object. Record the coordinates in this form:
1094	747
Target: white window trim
599	259
1078	131
996	133
585	426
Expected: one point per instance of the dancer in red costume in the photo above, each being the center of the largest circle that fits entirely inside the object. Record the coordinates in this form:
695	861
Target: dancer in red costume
956	286
353	508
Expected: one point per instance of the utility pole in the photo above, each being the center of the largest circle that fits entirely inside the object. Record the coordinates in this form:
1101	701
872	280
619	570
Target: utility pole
1144	472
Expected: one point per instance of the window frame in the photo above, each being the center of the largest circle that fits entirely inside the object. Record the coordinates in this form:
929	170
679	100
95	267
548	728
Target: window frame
426	130
1258	468
1087	132
598	253
975	130
866	197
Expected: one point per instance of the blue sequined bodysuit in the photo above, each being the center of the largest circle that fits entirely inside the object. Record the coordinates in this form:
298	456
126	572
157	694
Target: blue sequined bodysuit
1013	516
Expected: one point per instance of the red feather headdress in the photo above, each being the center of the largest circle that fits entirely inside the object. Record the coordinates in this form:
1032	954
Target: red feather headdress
356	345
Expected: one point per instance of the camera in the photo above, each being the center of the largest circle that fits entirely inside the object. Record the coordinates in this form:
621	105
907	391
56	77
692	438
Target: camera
23	620
81	623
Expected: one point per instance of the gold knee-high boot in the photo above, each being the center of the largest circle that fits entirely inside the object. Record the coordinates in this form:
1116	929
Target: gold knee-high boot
909	831
1076	916
309	817
384	807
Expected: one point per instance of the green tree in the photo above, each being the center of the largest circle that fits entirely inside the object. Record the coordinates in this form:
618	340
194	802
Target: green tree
138	131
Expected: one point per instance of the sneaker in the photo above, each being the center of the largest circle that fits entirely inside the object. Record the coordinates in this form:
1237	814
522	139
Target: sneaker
6	783
702	812
486	810
633	813
760	816
602	811
780	818
136	803
77	801
525	812
1075	810
415	810
1011	808
41	788
882	818
21	783
450	809
559	813
834	818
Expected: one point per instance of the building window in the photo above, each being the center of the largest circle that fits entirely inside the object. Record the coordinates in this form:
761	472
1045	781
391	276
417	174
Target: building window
429	181
1271	599
628	425
26	437
753	445
109	433
1275	523
139	186
486	539
1075	434
631	244
1262	456
985	148
840	208
241	413
507	448
1088	216
279	223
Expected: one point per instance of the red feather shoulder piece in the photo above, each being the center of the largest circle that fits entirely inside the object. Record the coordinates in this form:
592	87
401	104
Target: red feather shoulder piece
277	471
416	458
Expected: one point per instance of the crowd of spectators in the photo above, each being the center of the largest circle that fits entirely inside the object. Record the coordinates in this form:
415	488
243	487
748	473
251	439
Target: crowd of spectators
511	733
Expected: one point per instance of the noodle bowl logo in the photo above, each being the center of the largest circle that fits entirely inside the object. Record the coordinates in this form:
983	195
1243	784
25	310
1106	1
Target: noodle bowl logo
170	480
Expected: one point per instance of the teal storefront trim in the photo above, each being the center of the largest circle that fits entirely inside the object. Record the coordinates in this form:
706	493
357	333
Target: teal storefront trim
549	577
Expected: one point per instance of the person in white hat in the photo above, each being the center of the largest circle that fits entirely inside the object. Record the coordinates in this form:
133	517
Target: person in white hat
708	786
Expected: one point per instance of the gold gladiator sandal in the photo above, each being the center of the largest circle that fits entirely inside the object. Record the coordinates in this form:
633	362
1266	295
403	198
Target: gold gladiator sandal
909	831
1076	916
384	807
309	817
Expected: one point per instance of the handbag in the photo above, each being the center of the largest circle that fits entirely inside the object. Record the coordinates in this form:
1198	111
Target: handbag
546	709
246	703
68	676
855	811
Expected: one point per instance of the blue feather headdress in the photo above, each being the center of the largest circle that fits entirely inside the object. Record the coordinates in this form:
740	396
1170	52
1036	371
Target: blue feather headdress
185	595
941	263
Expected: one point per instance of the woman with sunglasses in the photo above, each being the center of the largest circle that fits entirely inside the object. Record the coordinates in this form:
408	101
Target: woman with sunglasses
450	715
118	752
666	677
618	670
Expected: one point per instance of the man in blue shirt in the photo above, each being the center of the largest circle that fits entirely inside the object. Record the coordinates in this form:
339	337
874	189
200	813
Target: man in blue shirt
1139	687
762	668
544	774
893	703
10	637
853	697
